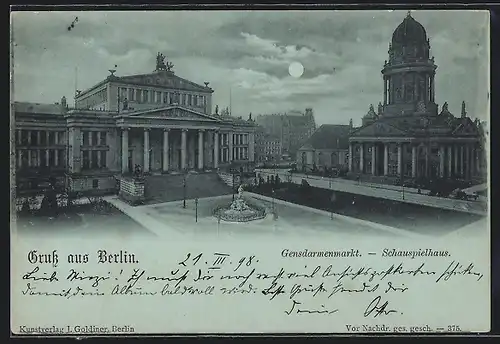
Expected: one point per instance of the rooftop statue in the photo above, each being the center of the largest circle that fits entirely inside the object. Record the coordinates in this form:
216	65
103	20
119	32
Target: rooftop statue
161	65
445	107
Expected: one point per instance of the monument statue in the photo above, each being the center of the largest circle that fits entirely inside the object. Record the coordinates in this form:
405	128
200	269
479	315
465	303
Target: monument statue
240	192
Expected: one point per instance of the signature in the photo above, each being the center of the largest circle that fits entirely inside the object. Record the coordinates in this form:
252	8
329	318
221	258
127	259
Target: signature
297	310
377	309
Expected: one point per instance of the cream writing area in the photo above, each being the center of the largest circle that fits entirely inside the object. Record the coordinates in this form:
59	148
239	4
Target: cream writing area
91	287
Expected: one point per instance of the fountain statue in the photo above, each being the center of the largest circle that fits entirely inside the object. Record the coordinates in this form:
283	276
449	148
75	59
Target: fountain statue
239	210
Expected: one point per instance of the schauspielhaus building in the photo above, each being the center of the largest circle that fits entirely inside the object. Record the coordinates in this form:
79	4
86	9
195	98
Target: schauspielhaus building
408	135
159	121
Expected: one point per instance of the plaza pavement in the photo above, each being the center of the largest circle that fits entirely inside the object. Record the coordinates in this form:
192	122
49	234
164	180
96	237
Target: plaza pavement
172	220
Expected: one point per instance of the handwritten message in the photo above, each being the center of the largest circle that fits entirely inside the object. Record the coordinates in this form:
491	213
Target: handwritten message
307	284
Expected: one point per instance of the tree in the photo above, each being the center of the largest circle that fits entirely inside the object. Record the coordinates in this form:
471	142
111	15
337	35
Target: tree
25	207
49	204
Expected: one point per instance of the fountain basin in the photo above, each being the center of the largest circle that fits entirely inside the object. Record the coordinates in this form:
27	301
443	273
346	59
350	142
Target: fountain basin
239	211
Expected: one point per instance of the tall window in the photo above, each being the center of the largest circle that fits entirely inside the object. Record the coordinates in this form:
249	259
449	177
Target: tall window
334	159
60	158
95	137
103	138
94	159
85	138
103	159
85	160
52	138
34	138
190	100
145	96
24	137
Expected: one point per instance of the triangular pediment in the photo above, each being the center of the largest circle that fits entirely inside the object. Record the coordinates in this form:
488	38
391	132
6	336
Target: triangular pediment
164	79
379	129
466	128
172	112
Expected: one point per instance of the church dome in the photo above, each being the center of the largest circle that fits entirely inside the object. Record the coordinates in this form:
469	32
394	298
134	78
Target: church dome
409	31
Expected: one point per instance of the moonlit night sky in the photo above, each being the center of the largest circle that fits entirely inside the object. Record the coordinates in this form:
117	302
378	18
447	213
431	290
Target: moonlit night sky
250	52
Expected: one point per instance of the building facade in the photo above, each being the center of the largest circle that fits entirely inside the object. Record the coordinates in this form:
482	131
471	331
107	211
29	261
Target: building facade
166	127
326	149
293	128
408	137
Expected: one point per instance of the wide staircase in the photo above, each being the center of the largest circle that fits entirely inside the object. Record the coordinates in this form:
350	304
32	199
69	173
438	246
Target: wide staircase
168	188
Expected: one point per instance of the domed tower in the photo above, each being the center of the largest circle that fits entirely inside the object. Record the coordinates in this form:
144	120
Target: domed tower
409	73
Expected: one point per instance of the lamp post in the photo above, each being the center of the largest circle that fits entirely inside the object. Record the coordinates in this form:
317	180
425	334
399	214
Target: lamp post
184	190
274	210
333	198
403	187
232	172
196	209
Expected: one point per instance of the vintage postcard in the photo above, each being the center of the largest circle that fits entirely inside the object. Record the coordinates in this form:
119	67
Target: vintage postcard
218	172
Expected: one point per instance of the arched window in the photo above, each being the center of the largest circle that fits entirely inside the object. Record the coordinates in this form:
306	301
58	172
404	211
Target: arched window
334	159
321	161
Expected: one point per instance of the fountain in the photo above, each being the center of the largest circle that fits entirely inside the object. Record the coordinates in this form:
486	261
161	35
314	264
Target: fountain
239	210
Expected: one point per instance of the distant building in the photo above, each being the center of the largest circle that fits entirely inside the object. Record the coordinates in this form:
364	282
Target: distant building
272	148
327	148
160	121
407	137
293	128
267	146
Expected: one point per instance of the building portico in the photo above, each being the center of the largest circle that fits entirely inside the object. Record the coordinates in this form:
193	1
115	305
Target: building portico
178	139
161	150
413	158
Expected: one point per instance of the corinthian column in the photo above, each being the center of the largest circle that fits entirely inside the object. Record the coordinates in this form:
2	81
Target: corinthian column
441	161
362	158
413	161
125	150
386	159
183	148
374	152
216	149
200	149
165	150
449	161
350	156
146	150
400	160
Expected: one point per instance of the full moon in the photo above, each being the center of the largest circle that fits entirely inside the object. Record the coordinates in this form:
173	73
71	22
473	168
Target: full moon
296	69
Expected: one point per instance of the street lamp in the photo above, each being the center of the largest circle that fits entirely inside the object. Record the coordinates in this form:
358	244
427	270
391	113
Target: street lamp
184	190
274	210
403	187
333	198
232	171
196	209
